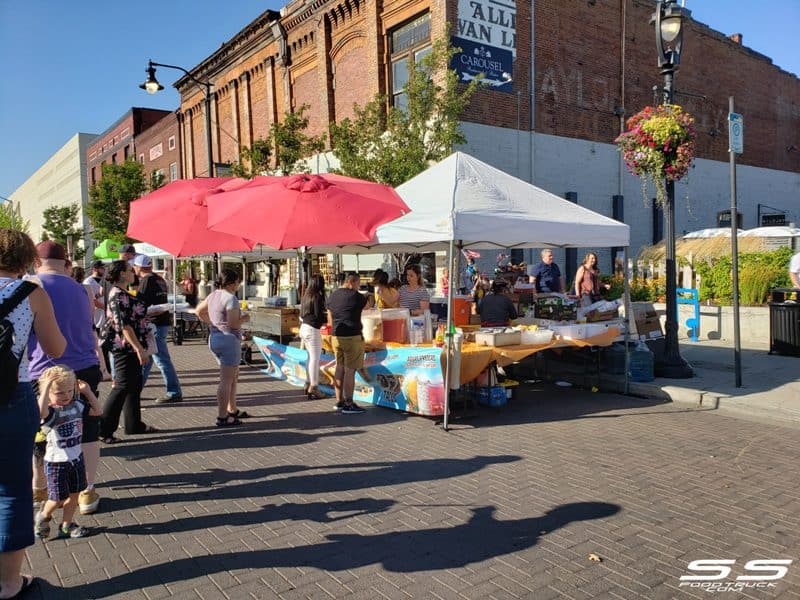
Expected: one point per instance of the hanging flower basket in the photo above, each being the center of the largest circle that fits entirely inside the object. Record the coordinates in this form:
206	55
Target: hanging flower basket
658	146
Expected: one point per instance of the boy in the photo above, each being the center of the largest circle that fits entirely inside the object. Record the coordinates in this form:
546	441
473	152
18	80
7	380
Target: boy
62	410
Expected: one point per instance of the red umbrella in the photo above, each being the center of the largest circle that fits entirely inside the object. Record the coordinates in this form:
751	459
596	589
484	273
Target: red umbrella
305	210
175	218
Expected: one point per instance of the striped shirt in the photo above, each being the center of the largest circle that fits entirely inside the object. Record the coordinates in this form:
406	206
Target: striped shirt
410	298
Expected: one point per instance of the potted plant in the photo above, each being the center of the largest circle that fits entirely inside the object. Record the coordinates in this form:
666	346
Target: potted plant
659	145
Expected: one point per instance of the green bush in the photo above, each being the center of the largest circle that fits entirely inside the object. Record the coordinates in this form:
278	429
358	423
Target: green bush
759	272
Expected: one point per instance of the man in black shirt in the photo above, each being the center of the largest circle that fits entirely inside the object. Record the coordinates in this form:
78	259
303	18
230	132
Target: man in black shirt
344	315
153	291
497	309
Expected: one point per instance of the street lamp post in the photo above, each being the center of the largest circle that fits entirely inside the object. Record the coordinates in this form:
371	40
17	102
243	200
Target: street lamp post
151	86
668	20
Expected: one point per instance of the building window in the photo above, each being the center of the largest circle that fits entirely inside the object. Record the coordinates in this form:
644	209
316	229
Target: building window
141	158
173	171
94	175
171	142
409	43
114	158
126	152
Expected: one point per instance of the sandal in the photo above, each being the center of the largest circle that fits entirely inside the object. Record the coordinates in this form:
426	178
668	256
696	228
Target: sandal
239	414
229	421
110	440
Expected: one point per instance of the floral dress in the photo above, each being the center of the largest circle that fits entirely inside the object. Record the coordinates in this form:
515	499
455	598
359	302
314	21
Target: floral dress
123	309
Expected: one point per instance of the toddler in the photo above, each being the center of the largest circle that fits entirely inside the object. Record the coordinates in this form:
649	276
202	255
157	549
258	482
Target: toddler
62	410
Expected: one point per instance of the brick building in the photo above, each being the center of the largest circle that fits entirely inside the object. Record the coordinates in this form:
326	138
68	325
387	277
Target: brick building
158	149
118	143
563	73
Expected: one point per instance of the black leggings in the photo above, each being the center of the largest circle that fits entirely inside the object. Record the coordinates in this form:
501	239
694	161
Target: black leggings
125	396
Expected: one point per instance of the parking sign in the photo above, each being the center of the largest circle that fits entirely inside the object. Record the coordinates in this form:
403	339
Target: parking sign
735	133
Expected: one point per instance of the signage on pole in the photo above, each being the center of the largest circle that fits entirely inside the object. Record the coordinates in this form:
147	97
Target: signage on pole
735	133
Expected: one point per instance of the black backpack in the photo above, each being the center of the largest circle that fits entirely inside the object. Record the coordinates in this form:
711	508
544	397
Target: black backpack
9	362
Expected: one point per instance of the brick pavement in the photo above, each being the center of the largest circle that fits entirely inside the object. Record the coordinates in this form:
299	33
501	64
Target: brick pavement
305	503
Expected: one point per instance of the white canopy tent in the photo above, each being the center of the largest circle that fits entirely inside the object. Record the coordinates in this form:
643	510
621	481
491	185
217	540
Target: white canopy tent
462	202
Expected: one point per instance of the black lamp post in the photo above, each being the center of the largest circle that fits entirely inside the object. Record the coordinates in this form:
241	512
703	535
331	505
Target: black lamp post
151	86
668	20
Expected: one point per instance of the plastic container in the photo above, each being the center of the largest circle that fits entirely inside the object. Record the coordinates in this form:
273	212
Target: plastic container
372	326
395	325
538	337
461	309
642	364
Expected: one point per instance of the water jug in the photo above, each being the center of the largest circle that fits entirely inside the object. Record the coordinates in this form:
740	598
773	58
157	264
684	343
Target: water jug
641	365
614	359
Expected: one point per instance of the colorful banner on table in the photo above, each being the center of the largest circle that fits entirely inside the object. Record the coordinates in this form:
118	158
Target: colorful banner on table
407	378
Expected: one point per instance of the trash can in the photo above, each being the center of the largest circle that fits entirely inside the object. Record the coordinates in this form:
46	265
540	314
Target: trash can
784	322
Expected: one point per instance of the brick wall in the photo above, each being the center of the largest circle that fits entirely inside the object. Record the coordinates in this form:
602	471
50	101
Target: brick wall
578	82
154	145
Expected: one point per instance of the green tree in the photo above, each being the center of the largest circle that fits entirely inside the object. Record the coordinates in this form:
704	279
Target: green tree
291	142
61	223
11	219
157	179
254	160
392	146
111	196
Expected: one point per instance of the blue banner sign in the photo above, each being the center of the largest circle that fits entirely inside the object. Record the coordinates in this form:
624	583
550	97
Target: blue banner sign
475	59
407	378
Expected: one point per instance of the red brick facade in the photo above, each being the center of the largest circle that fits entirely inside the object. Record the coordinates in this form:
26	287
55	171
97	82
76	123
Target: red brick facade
118	142
159	149
591	60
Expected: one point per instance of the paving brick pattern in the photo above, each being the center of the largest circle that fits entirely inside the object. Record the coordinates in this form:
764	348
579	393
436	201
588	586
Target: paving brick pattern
305	503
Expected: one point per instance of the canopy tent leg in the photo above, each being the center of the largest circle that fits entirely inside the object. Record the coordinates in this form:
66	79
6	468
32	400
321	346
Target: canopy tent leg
450	348
628	316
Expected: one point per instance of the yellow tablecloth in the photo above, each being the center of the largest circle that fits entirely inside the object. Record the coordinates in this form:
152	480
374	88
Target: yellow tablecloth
474	358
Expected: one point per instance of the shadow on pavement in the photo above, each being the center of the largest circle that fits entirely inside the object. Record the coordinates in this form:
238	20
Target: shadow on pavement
346	477
319	512
481	538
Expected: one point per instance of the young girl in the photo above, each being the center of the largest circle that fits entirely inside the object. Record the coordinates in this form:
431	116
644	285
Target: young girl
62	410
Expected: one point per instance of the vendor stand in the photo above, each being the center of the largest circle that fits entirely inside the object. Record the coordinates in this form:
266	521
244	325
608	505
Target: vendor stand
462	202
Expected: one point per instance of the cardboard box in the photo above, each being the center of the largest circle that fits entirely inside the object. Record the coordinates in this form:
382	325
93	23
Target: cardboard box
647	321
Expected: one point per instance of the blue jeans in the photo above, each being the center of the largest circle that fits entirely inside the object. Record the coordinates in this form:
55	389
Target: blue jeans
18	423
164	363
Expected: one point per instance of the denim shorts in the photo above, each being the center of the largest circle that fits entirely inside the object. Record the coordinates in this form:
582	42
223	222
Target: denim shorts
19	421
226	347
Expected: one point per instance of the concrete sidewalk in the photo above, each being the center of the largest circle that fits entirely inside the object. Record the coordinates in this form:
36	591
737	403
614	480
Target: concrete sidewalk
770	389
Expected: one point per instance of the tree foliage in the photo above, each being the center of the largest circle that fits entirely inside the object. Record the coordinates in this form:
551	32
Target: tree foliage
110	199
392	146
292	144
287	141
254	160
157	179
11	219
61	223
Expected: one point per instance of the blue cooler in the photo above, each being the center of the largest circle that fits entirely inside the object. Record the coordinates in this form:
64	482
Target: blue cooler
492	396
439	307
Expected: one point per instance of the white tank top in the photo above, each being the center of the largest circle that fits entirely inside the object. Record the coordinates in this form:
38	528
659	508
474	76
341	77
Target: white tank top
22	320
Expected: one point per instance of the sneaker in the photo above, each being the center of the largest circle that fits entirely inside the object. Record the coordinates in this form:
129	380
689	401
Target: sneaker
42	526
73	530
339	405
88	501
352	409
168	399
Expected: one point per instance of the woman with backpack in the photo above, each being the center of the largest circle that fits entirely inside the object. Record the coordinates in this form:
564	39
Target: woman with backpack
23	306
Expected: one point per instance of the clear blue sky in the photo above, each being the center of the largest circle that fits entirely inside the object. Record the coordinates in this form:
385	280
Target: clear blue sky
76	65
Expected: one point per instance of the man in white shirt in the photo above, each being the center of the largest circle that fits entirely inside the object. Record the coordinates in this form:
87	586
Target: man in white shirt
794	270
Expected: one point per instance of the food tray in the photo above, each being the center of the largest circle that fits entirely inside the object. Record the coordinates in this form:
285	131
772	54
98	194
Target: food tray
542	336
498	338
